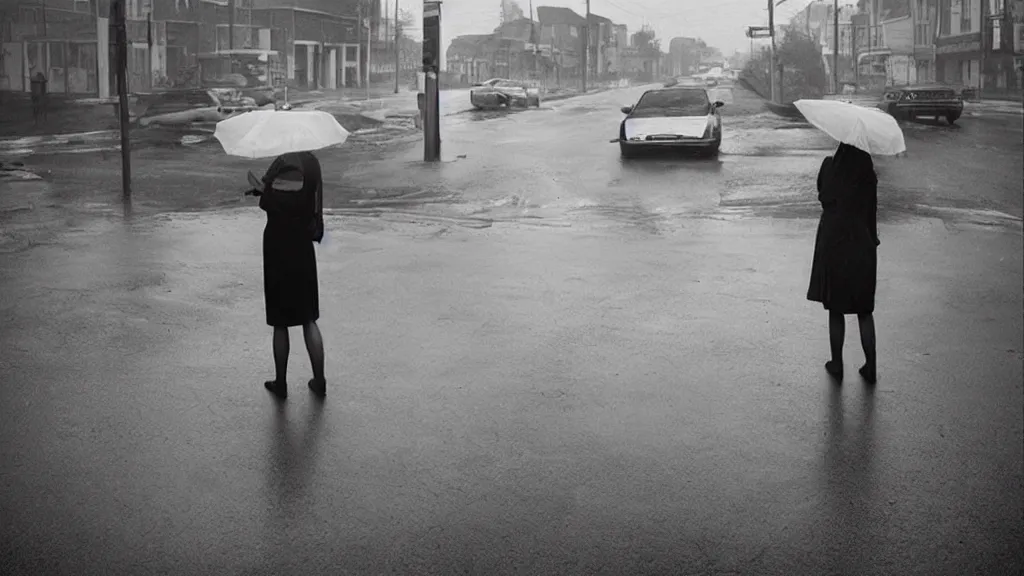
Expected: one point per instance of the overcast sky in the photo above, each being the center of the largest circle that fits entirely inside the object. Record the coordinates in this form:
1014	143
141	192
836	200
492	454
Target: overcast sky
721	23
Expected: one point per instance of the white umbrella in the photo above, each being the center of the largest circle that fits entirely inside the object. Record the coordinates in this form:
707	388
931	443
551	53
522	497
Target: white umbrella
270	133
871	130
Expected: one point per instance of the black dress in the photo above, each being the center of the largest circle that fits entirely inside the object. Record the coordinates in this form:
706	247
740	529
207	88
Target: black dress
845	266
290	285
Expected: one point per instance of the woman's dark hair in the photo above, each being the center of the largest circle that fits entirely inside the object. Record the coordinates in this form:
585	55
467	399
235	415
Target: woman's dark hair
854	164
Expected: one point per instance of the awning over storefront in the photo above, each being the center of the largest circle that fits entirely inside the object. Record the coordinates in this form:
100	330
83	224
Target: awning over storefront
872	55
962	44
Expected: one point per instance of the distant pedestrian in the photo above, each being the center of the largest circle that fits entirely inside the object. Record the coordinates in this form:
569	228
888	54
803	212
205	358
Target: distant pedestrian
844	269
38	82
292	197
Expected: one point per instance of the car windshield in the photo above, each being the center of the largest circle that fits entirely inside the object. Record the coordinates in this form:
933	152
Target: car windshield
673	103
507	84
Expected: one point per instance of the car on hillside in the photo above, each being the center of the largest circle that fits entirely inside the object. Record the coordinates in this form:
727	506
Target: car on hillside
680	118
503	93
935	100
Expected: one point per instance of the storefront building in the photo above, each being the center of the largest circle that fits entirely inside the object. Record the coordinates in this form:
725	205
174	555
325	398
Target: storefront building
1004	49
958	48
59	41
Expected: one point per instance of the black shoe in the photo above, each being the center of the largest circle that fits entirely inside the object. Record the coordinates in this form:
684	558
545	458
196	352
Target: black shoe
319	387
279	389
835	369
868	374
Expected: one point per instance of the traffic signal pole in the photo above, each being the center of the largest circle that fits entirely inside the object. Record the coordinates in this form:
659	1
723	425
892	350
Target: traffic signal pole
431	67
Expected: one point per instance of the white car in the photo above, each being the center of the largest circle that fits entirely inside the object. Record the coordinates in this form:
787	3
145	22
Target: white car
680	117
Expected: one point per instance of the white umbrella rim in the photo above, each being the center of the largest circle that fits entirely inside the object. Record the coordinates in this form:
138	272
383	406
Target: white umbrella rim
246	145
902	147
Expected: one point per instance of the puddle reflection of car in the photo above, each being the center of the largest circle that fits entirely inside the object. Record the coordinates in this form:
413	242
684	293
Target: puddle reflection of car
677	118
195	106
502	93
911	102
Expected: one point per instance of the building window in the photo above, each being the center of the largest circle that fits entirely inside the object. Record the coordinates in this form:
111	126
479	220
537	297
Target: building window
945	16
995	7
996	35
965	16
573	32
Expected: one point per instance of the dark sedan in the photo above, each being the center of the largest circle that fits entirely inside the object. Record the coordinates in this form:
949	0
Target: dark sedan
910	102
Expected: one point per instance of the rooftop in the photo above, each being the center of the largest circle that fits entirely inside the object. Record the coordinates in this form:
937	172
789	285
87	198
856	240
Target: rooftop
555	15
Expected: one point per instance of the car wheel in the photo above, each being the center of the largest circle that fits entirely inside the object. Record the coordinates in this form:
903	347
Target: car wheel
952	117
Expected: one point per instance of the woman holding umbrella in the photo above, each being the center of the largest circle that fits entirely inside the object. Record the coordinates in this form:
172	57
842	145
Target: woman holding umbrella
844	269
291	193
292	196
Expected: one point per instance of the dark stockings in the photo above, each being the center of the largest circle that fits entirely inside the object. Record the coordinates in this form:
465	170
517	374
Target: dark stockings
867	341
315	348
282	347
837	336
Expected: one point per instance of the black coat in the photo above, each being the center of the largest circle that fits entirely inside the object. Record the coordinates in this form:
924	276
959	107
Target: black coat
845	266
294	222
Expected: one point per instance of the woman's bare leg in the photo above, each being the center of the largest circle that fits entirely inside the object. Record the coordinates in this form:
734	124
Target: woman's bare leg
836	338
315	348
866	323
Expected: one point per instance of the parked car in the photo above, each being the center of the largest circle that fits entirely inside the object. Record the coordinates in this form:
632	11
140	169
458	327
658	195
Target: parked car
500	92
193	105
909	102
680	117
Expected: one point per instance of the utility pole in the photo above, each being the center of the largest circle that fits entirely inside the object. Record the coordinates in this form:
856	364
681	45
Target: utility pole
117	15
359	43
853	54
231	25
149	50
771	55
534	40
369	40
586	48
431	66
835	47
398	39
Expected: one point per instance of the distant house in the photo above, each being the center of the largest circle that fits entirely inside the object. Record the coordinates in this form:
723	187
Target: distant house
471	57
563	29
683	56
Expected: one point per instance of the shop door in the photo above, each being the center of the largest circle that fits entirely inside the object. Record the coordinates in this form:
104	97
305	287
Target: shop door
138	68
81	68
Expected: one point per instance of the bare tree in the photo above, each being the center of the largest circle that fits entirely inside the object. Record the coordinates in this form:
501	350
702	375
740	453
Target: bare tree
511	11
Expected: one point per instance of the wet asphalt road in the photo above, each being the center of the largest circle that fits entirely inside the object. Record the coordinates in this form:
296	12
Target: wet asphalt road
556	163
542	360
